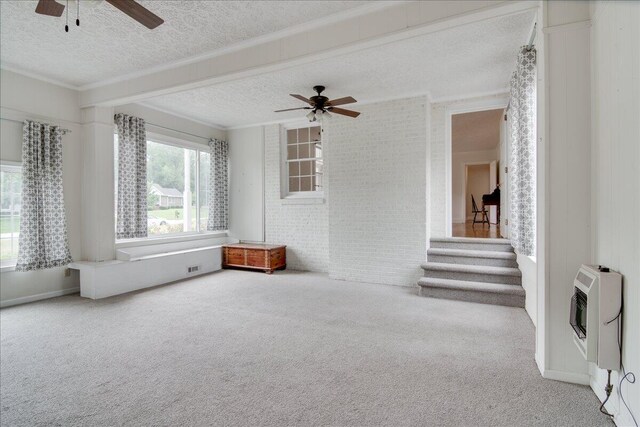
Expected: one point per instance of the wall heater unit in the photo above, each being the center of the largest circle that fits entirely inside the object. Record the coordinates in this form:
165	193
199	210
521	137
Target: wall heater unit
595	305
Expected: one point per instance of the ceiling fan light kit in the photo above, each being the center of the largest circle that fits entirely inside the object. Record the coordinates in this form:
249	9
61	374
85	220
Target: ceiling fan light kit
130	7
321	107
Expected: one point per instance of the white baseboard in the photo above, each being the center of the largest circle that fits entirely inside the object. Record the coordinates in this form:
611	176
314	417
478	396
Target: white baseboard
38	297
567	377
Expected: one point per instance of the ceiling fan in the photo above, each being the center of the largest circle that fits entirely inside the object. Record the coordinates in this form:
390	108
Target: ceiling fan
321	107
130	7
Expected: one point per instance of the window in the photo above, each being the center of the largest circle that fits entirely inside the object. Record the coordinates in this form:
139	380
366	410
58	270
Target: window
10	200
303	168
177	187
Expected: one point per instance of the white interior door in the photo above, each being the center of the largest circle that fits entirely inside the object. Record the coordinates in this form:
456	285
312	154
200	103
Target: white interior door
505	149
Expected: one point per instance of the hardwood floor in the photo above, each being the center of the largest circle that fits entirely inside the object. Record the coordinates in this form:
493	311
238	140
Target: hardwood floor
480	230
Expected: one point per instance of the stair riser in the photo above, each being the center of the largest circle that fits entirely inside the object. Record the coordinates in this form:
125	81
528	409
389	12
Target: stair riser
473	246
471	296
474	277
492	262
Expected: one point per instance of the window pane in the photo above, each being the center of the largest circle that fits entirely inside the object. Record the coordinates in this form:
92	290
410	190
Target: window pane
205	164
303	151
315	133
294	184
305	183
292	136
170	171
303	135
305	168
294	168
10	201
292	152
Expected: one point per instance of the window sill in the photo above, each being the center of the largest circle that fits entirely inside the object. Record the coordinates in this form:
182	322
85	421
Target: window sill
303	200
146	241
7	268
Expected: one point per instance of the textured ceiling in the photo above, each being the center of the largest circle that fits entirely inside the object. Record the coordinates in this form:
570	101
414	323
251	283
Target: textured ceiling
476	131
470	59
109	44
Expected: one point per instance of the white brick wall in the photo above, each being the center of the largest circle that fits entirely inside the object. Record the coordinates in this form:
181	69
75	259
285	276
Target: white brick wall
376	168
303	228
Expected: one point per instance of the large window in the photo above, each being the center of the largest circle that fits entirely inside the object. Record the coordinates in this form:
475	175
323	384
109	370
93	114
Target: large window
177	183
10	199
304	167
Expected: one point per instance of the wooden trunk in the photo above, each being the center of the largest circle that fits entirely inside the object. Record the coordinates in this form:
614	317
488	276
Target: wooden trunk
254	256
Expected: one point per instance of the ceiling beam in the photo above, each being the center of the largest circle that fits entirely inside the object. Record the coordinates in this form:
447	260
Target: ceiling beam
376	27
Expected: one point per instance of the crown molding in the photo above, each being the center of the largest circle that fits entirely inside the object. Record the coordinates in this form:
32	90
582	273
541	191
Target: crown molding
471	96
37	76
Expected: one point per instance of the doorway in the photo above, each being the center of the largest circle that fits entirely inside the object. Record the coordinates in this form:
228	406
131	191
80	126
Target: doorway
475	179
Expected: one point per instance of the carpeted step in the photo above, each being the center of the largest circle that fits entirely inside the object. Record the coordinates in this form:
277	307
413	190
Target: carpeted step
473	273
481	292
472	257
469	243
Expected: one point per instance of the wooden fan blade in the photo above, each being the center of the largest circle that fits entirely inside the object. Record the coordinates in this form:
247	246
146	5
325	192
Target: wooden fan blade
341	101
50	8
343	112
302	98
291	109
137	12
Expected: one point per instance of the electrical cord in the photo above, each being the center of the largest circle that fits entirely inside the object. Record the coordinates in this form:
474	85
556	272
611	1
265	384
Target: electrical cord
608	389
626	376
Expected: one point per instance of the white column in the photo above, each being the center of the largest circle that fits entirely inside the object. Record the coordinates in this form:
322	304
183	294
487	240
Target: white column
98	189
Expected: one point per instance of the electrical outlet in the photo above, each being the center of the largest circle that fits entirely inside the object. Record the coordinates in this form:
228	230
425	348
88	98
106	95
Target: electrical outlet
67	272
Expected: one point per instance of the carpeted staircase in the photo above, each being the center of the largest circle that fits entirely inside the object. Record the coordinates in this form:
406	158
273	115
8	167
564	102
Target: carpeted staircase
476	270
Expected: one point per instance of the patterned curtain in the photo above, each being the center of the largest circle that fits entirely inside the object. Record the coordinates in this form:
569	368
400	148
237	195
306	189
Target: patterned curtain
218	196
132	177
522	163
43	239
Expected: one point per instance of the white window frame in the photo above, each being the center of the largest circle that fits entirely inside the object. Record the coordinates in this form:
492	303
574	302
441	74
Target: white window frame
10	264
284	163
183	235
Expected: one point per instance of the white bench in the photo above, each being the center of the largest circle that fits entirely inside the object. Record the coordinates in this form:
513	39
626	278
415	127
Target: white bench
142	266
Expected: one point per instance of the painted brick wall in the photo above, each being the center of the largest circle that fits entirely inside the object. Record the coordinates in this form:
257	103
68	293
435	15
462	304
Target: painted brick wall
302	227
376	168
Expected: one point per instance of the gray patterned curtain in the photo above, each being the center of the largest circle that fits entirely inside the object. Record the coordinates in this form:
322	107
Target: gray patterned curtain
43	239
218	197
522	163
132	177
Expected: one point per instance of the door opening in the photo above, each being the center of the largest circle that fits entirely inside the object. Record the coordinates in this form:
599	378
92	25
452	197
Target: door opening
476	143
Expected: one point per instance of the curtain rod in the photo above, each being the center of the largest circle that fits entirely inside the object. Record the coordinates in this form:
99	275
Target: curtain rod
63	130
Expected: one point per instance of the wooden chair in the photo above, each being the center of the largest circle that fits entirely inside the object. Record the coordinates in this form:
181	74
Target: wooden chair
476	211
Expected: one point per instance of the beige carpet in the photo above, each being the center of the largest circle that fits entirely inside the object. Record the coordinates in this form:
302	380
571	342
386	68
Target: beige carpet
242	348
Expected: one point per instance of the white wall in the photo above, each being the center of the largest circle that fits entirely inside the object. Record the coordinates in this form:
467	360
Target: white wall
303	227
22	98
376	167
459	160
615	67
25	98
564	215
246	195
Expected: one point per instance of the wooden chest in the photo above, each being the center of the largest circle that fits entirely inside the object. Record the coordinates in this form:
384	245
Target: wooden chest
255	256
